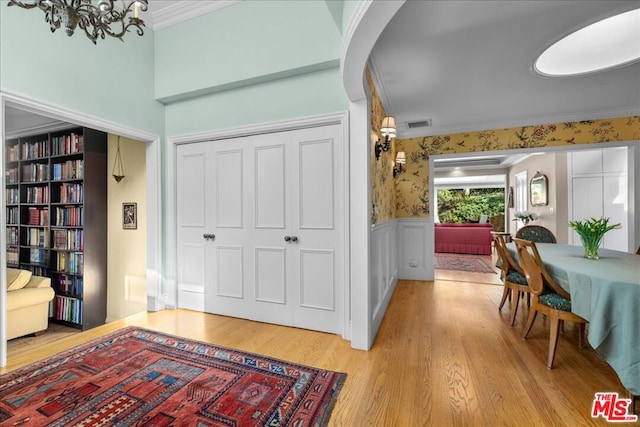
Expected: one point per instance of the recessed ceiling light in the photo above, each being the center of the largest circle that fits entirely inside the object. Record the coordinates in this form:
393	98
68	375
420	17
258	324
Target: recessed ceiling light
606	44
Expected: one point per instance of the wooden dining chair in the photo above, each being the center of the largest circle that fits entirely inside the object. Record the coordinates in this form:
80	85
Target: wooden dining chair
513	278
536	233
545	299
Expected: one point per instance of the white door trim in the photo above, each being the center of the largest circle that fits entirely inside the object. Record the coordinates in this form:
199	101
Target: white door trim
154	193
341	119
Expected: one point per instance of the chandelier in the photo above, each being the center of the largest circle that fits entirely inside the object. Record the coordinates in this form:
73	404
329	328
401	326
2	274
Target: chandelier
98	18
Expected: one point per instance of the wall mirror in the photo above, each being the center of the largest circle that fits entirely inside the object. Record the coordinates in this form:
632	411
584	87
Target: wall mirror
538	190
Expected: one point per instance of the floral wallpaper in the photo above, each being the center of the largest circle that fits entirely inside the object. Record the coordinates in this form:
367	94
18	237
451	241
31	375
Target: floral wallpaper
383	203
412	186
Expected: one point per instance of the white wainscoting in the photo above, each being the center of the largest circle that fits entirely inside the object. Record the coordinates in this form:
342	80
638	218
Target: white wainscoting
415	249
400	249
384	269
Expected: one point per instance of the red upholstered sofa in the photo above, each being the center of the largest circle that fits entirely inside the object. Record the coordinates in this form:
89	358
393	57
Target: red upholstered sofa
473	238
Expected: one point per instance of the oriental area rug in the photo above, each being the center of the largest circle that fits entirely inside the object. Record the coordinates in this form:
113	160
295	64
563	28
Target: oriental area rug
462	262
136	377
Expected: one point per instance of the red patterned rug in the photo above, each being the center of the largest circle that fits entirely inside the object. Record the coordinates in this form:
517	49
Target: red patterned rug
137	377
462	262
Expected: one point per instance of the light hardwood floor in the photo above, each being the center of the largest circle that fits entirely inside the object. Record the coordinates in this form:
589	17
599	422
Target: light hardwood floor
444	356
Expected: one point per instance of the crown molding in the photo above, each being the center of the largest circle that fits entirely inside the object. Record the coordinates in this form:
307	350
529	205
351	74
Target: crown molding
534	121
374	66
182	11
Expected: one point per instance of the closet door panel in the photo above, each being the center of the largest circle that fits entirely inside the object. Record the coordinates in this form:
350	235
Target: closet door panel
616	208
271	282
229	188
316	186
192	194
270	199
192	277
317	282
230	272
587	162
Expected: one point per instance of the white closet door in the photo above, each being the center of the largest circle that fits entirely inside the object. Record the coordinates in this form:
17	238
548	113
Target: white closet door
194	221
270	224
317	264
227	292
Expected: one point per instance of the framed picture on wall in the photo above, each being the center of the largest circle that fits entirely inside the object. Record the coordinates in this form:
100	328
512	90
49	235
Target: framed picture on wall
129	215
539	187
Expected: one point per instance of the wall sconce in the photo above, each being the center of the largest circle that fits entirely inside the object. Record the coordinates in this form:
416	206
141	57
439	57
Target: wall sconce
388	130
401	159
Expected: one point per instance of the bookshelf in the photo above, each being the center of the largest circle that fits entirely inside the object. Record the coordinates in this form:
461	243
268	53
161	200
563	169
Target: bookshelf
56	194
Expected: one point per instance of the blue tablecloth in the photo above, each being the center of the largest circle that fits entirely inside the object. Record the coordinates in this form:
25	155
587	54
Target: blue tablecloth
606	292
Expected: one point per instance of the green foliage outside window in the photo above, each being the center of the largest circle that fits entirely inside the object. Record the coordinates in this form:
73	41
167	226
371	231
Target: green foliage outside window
461	206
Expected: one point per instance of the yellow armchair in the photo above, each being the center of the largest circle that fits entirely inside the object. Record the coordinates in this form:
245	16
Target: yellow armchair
28	298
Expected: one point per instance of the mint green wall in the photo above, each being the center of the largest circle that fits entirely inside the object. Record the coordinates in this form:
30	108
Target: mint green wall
348	8
274	60
111	80
300	96
335	8
247	43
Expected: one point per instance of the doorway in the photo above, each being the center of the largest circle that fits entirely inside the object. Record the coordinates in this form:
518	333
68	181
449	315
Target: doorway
36	115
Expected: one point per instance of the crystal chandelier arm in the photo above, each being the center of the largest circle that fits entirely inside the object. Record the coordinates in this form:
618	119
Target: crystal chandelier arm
36	3
100	26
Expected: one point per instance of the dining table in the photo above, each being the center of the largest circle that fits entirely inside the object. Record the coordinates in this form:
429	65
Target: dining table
605	292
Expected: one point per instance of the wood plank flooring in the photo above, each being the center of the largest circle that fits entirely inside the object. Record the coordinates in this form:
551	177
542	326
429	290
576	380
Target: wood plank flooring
444	356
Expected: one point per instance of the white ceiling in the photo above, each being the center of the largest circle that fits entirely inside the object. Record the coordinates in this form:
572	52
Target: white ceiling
466	65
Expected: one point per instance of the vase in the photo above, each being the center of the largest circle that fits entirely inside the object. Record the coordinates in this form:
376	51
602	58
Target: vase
591	247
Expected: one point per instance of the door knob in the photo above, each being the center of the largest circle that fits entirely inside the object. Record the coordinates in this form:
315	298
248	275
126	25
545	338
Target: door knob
287	238
209	236
294	238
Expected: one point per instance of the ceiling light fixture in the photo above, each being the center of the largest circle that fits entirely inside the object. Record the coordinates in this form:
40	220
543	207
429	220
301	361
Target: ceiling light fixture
610	43
98	21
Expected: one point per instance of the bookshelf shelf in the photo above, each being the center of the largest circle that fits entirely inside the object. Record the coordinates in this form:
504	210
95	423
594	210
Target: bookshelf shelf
54	182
